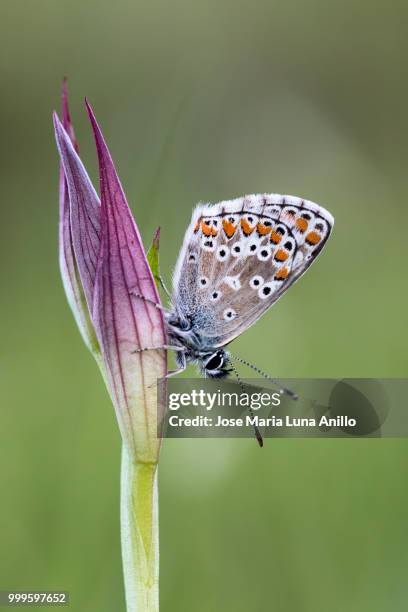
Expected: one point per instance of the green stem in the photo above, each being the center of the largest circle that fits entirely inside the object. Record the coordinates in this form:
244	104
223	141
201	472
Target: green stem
140	534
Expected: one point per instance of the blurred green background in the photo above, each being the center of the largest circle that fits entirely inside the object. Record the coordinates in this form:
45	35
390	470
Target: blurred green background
202	101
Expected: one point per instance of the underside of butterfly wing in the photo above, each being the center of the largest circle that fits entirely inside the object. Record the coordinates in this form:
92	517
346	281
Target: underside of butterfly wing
240	256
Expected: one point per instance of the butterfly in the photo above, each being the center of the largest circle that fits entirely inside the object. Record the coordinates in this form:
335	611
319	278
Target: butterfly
237	259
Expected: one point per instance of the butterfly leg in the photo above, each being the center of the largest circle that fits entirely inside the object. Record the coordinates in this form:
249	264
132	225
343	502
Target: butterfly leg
139	296
182	363
167	347
174	372
164	347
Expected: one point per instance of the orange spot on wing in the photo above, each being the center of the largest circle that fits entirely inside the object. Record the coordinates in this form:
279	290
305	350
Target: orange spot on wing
281	255
275	237
246	228
301	224
263	229
229	228
313	238
207	230
282	274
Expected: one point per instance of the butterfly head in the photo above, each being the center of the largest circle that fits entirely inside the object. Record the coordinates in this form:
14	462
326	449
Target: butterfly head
212	362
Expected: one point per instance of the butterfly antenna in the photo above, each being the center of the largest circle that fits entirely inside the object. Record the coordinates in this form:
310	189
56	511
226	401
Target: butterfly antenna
258	434
282	390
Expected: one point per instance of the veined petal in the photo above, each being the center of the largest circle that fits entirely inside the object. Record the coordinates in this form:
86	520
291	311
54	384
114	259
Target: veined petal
68	267
124	322
84	212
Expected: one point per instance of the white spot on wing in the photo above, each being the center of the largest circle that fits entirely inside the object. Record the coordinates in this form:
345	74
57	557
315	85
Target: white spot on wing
229	314
252	246
238	249
264	252
233	282
222	253
256	281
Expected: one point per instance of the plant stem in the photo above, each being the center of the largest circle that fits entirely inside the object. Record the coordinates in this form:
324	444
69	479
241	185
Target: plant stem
140	534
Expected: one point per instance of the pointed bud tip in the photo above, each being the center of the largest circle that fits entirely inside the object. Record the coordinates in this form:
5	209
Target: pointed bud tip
156	237
95	126
89	108
56	120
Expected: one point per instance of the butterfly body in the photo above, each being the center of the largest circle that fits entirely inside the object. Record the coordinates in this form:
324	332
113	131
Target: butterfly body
238	258
211	361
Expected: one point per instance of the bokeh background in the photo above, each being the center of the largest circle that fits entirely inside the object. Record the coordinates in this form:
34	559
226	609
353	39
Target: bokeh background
202	101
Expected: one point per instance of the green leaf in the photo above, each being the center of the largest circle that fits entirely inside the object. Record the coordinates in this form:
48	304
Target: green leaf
153	258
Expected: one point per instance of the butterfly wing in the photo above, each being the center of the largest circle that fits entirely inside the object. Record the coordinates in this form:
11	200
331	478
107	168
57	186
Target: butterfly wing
240	256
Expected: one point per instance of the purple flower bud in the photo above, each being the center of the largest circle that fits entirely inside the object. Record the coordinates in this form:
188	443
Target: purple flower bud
111	289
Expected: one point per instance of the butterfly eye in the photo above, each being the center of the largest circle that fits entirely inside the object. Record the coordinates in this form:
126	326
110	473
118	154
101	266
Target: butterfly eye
203	281
215	361
264	253
222	253
265	291
229	314
256	282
